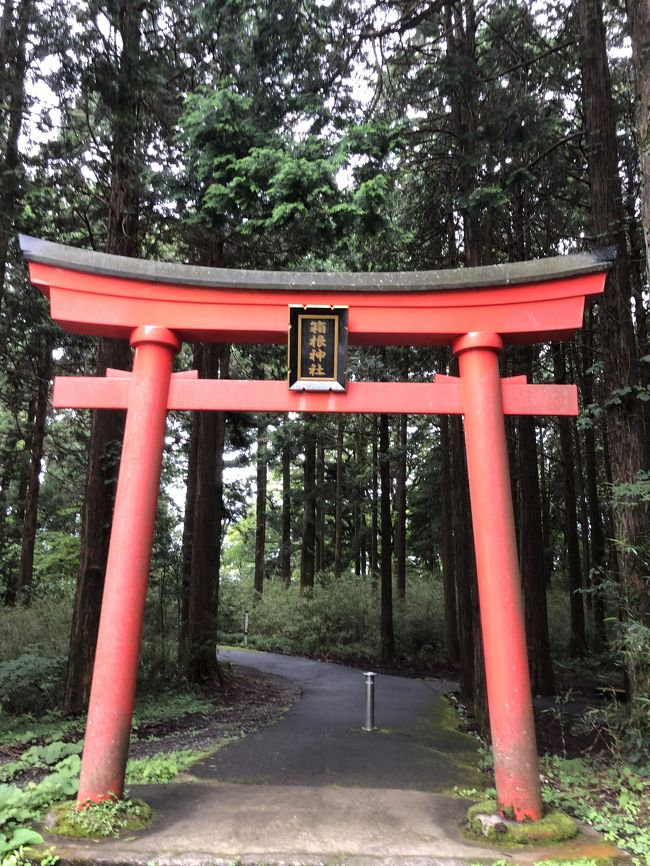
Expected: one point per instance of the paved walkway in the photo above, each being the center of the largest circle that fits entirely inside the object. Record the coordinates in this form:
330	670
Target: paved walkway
312	788
320	741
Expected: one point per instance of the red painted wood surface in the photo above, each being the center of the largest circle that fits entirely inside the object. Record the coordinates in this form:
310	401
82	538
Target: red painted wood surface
499	582
113	306
233	395
127	571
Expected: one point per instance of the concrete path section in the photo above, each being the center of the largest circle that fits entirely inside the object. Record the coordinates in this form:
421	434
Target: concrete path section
201	824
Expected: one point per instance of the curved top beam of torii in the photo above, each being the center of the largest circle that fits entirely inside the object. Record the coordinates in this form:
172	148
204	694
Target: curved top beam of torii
106	295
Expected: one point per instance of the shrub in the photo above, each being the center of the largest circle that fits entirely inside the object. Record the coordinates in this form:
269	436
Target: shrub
43	627
30	683
338	619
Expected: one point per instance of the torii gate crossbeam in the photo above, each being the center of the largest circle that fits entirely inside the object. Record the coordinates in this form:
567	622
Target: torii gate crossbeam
475	311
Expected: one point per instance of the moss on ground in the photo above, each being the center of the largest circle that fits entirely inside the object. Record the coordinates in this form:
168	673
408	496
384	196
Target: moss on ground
98	820
438	732
553	827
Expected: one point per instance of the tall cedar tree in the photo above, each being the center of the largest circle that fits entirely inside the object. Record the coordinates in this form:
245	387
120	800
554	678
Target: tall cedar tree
260	509
108	427
386	621
531	553
624	422
308	545
15	24
639	17
203	527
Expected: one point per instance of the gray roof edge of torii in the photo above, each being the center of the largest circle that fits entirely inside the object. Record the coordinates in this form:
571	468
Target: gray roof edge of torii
457	279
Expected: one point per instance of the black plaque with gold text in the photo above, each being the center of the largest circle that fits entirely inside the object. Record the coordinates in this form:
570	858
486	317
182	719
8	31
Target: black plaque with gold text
318	348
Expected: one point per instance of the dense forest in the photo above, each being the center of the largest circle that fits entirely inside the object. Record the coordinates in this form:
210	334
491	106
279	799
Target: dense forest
328	135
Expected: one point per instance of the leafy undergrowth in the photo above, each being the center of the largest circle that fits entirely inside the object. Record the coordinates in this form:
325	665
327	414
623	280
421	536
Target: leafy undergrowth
40	763
40	759
609	795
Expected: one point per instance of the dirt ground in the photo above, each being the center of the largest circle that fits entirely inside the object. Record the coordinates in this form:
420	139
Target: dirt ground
247	701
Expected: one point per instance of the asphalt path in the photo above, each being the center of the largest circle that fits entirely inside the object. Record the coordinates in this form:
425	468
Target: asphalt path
320	740
313	789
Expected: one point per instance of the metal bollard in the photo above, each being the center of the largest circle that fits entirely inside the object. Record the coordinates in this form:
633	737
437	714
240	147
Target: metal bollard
246	628
370	702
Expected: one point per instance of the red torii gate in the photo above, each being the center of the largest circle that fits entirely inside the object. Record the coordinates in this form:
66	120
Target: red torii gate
157	306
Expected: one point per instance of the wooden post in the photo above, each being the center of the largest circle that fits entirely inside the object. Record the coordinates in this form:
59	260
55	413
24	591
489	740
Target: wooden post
112	694
497	565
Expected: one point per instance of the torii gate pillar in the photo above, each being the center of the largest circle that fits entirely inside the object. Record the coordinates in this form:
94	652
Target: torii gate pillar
497	568
112	694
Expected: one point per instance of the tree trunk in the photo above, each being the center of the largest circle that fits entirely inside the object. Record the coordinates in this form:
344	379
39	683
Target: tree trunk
307	552
107	427
319	501
223	360
531	553
400	508
447	547
26	568
463	559
578	640
545	501
260	519
374	507
7	473
199	652
639	17
593	500
460	27
286	515
357	535
626	437
583	518
188	522
14	30
386	629
460	24
338	505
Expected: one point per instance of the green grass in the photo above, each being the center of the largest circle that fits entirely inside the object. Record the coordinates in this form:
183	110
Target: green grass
162	768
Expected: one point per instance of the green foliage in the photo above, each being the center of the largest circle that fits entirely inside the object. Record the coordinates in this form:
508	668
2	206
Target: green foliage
612	797
42	757
627	723
30	683
56	563
20	807
169	705
336	620
573	861
43	628
100	820
159	769
24	730
48	753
